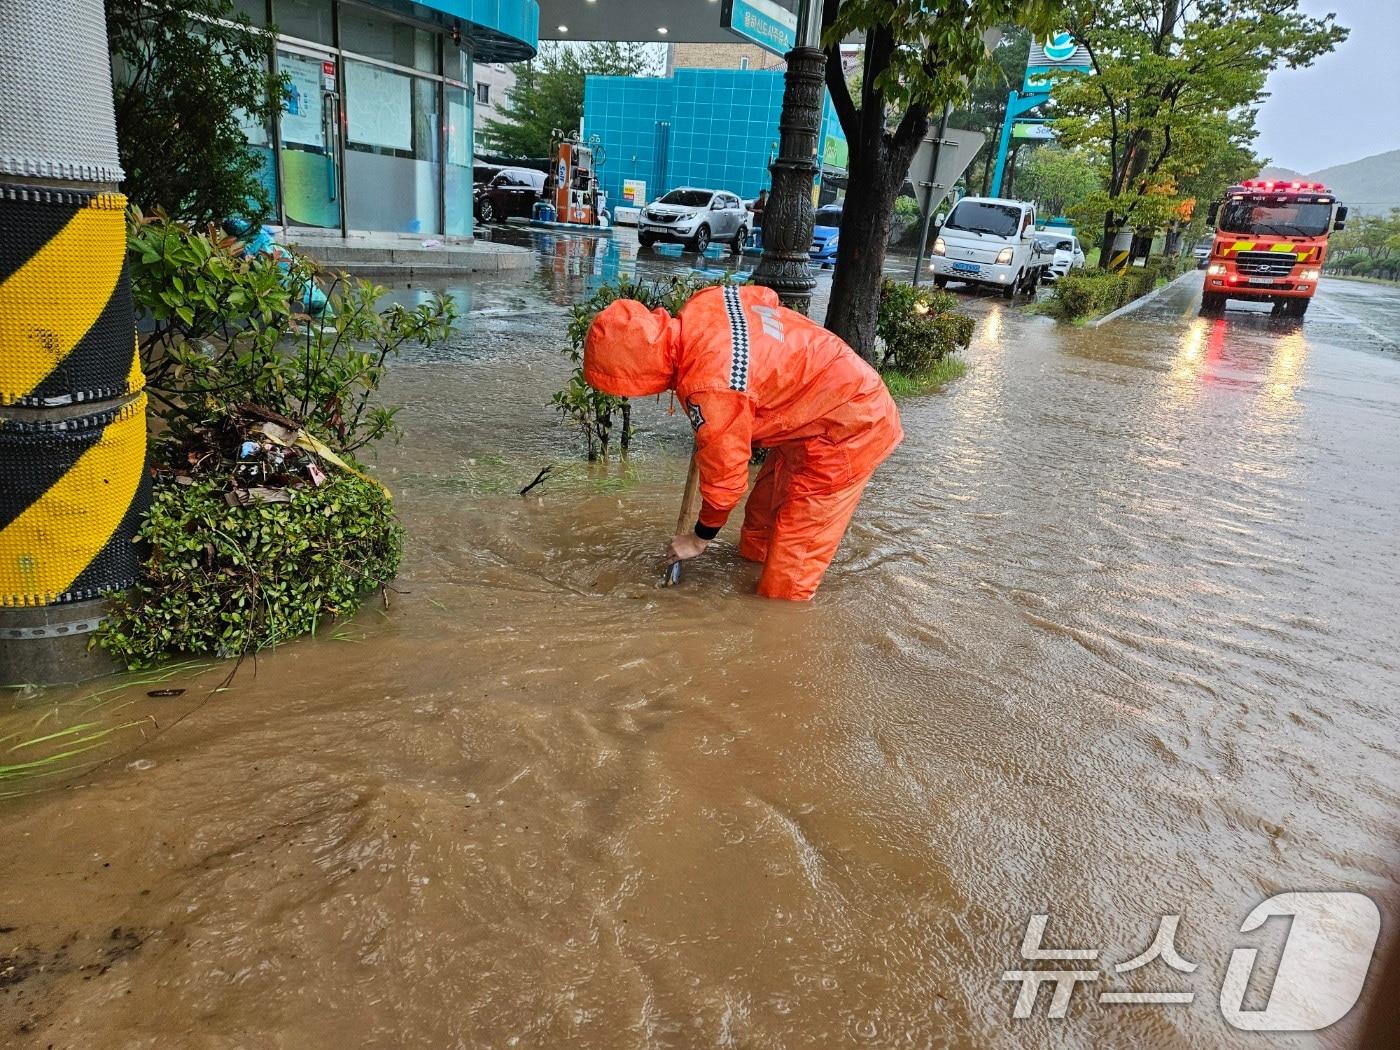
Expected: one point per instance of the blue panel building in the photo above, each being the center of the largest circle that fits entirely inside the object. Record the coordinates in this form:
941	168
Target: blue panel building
716	128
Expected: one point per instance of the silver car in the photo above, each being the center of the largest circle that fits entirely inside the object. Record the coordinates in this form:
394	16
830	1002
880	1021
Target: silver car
695	217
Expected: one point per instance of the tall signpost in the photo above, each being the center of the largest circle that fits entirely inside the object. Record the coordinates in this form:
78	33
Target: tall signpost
788	218
1060	53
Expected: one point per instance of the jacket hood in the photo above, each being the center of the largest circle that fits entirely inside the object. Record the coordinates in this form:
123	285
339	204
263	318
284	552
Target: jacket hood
630	351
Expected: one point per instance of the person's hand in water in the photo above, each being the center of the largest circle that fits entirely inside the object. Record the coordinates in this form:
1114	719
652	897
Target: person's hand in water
685	546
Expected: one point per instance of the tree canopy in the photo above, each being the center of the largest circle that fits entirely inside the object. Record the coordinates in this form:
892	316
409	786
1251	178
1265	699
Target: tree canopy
548	93
985	104
1060	180
1174	90
1369	246
917	57
187	75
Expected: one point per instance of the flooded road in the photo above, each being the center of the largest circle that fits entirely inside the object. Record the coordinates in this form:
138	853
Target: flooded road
1113	636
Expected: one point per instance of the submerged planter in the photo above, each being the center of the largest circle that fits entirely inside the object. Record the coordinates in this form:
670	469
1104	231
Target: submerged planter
225	580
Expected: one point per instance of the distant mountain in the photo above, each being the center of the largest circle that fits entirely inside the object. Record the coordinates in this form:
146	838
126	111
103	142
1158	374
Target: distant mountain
1370	185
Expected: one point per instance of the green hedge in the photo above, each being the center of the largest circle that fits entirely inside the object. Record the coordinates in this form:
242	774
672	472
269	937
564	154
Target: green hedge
1088	293
226	581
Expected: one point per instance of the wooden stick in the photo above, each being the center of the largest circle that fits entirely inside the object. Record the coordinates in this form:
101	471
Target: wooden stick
685	521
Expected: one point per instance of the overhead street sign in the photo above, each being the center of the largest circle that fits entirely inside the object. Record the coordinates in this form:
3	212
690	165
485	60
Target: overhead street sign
959	150
767	24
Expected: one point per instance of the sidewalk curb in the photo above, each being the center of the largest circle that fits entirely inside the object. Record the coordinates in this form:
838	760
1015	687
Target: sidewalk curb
1128	308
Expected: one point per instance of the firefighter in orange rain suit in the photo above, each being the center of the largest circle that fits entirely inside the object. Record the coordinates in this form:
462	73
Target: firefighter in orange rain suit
752	373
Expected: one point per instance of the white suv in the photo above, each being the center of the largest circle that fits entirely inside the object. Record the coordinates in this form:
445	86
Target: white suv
695	217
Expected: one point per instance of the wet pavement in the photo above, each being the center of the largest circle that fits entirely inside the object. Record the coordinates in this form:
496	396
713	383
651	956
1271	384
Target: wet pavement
1112	637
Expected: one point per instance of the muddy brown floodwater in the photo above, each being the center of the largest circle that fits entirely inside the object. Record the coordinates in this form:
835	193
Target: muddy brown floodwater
1113	636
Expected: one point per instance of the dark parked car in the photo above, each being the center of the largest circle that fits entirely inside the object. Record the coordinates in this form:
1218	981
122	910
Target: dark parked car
513	191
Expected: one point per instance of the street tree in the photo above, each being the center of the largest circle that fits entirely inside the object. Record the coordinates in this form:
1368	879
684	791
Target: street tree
1370	245
917	57
1168	78
1224	159
187	77
548	93
1060	180
985	106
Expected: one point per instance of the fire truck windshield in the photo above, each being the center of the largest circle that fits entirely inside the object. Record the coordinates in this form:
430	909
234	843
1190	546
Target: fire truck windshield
1275	218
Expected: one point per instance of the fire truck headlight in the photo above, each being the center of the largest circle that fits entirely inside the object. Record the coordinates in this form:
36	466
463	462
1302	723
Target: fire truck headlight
1216	269
1310	275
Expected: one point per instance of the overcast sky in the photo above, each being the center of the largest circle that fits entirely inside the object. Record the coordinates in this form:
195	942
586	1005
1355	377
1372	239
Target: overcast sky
1344	106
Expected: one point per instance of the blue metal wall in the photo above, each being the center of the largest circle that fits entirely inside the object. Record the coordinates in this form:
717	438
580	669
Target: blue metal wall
723	129
500	30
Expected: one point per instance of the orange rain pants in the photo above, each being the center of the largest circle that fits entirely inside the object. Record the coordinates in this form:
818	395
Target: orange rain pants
752	373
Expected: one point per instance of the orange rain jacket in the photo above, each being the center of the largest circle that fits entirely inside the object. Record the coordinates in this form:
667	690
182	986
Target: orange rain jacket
752	373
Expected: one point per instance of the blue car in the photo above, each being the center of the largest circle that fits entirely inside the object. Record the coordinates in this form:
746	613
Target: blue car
825	235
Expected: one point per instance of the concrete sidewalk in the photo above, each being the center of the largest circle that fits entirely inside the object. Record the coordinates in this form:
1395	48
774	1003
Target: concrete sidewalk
405	257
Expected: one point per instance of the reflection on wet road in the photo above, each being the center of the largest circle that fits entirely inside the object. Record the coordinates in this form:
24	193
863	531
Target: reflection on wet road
1112	637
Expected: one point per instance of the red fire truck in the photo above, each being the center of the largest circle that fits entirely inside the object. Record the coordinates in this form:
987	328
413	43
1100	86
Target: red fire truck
1270	242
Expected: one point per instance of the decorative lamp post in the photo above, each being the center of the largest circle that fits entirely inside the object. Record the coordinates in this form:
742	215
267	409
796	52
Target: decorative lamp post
788	218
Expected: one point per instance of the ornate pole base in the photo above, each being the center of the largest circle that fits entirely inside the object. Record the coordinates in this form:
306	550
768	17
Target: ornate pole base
788	219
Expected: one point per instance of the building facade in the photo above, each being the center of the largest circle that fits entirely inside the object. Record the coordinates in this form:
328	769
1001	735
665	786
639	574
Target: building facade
721	56
493	82
716	128
377	131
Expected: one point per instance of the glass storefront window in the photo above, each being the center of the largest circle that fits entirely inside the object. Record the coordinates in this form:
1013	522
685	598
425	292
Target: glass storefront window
306	19
310	168
378	36
259	138
392	162
459	63
376	132
457	173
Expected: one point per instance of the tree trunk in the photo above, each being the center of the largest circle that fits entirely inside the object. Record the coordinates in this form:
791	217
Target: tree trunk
1173	245
865	234
1110	234
879	165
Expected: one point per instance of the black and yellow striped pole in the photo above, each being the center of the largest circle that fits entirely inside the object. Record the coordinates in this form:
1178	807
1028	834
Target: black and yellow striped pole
73	475
1120	254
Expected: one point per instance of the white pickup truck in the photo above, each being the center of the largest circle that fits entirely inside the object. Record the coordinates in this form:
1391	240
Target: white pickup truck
991	241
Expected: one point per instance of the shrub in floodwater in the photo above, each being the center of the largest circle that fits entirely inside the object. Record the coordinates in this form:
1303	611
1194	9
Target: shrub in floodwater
221	329
254	537
920	328
226	580
595	413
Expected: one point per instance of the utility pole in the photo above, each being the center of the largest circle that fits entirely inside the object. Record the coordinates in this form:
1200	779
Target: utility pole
73	479
789	218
